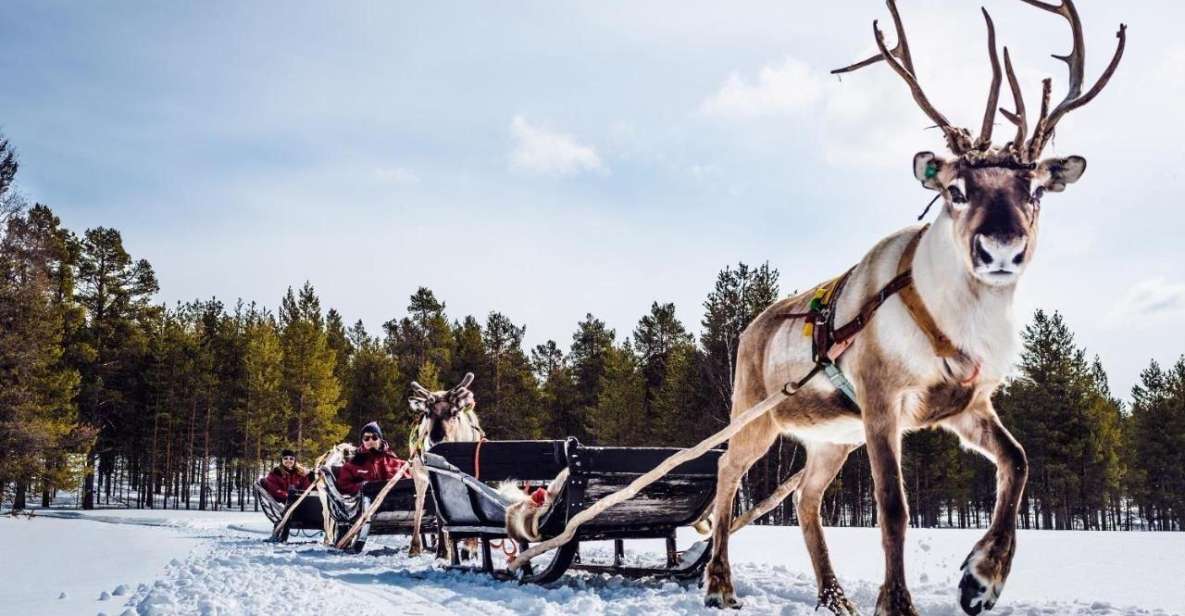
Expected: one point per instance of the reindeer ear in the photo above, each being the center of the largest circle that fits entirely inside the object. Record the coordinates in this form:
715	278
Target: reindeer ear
933	172
1055	173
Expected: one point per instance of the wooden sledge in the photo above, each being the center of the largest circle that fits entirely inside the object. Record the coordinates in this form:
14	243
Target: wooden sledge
307	515
468	508
395	516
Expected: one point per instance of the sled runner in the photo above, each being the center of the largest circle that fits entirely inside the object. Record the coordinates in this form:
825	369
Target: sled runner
395	516
472	508
306	517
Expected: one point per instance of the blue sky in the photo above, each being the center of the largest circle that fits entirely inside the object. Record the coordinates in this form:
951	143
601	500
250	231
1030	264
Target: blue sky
552	159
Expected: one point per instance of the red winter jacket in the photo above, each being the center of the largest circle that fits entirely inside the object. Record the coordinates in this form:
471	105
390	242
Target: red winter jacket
281	479
368	465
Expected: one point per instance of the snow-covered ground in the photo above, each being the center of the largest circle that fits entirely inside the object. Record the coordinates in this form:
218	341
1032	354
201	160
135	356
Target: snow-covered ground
168	562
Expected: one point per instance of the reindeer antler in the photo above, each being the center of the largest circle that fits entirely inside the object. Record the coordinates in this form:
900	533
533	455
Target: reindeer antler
465	382
899	58
959	139
1017	117
420	391
989	115
1076	63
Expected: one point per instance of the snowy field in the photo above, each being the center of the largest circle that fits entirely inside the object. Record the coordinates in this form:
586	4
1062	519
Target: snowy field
167	562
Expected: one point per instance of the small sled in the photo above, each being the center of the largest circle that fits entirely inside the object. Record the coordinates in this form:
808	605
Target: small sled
468	508
308	515
395	516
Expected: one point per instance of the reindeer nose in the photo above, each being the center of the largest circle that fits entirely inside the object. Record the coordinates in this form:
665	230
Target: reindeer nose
999	254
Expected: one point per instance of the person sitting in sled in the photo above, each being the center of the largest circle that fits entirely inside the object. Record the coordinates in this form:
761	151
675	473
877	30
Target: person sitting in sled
372	466
287	477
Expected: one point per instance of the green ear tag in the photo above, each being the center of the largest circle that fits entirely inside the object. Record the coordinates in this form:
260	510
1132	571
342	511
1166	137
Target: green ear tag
931	171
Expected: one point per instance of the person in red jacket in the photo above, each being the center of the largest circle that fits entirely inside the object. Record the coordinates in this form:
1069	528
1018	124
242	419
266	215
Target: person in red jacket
288	476
372	466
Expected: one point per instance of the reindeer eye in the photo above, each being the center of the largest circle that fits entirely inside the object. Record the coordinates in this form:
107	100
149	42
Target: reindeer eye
958	192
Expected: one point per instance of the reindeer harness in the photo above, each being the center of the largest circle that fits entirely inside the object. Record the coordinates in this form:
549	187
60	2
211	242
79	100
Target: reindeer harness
828	342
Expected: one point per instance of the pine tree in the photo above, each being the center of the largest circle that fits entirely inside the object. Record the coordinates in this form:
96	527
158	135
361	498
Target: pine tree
314	394
619	416
1060	413
591	346
10	204
264	409
373	390
656	338
738	297
424	336
1156	446
38	416
115	290
557	392
513	409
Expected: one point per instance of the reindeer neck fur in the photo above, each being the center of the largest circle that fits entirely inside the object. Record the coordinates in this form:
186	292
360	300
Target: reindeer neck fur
977	317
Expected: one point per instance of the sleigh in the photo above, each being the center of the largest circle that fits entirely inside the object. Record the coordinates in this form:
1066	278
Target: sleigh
307	516
395	516
469	507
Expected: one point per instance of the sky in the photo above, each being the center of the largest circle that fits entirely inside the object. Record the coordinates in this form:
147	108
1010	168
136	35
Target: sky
552	159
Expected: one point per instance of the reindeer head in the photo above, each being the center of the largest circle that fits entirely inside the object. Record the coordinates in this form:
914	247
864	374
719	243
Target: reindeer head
439	410
992	195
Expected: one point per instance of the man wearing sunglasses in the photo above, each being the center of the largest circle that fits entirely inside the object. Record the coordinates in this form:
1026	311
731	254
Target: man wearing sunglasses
372	465
287	477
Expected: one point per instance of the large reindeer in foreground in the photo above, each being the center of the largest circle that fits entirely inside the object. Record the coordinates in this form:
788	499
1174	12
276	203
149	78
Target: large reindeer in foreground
445	417
939	344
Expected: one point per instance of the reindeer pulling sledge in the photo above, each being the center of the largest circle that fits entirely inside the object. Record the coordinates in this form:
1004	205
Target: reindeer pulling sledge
937	349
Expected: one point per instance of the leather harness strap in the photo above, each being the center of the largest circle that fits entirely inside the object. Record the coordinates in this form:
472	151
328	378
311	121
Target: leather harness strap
828	342
943	347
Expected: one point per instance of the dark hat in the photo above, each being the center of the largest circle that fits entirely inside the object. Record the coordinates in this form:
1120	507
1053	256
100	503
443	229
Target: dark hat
287	452
373	428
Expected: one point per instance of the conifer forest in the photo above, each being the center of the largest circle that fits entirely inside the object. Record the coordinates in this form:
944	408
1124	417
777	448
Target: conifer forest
108	394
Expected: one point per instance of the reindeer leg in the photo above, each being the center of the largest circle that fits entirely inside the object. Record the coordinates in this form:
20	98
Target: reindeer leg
420	477
743	450
822	464
883	436
986	567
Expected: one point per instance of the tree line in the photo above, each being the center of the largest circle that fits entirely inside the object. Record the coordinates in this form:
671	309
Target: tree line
127	402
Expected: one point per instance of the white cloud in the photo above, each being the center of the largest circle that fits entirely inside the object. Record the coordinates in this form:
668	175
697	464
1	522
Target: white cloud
538	150
397	175
1155	296
779	89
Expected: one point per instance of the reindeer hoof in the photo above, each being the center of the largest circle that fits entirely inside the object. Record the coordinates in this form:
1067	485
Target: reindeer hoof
977	594
895	601
721	600
834	600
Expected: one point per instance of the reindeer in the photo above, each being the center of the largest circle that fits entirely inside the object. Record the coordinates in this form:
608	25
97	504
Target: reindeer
445	417
940	343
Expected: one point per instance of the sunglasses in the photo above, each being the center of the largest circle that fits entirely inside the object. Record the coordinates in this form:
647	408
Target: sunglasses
289	457
369	437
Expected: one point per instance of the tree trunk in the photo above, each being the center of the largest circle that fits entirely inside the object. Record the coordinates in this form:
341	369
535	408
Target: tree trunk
18	497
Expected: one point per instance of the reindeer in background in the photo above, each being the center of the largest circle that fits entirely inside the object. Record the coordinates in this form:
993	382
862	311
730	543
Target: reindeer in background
445	417
939	345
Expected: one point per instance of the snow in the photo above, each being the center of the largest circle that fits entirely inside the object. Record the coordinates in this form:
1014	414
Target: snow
188	562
